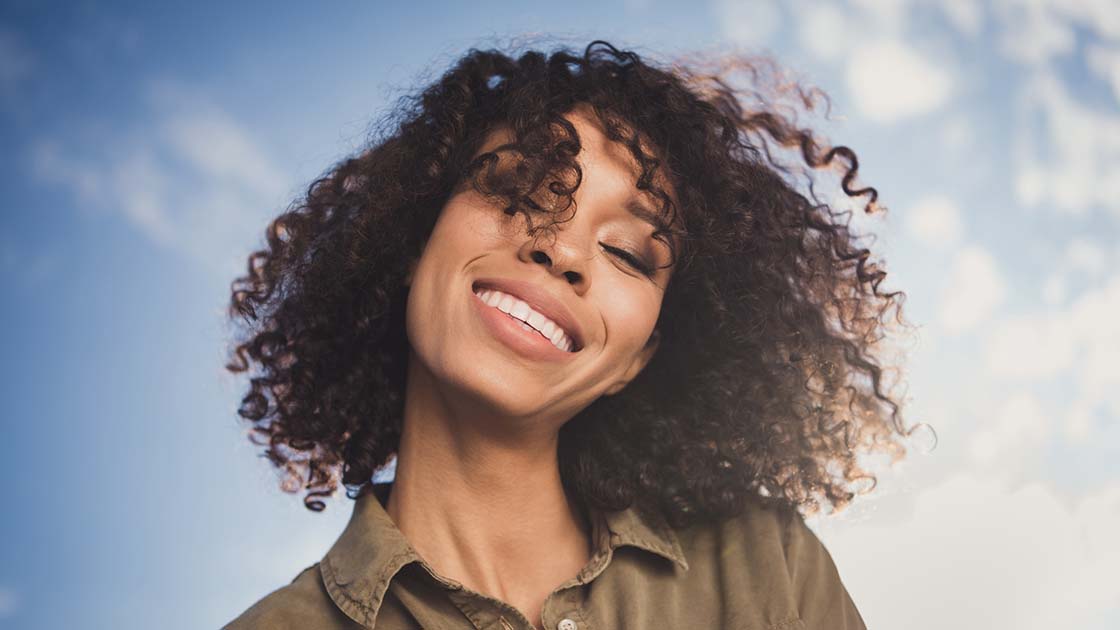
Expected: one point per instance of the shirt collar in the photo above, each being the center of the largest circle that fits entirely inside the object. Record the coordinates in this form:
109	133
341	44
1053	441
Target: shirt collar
645	531
371	550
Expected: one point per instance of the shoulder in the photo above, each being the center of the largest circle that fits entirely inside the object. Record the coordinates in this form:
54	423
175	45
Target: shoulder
770	553
303	604
758	537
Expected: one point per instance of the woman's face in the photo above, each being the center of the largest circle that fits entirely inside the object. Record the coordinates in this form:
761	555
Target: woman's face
485	295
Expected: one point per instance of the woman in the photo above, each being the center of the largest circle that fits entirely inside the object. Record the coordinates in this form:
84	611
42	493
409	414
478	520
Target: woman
611	348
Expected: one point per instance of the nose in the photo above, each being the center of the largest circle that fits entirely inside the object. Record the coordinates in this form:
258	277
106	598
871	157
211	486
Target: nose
558	251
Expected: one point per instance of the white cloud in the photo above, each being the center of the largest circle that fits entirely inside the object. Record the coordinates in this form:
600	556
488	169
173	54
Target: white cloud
1054	288
210	141
1098	16
958	133
887	15
9	602
51	164
1031	346
1012	436
829	29
1105	63
889	80
823	29
1033	31
217	146
1079	422
1030	184
1080	342
1093	316
748	23
978	554
142	188
190	178
975	287
1085	255
935	221
1075	163
966	15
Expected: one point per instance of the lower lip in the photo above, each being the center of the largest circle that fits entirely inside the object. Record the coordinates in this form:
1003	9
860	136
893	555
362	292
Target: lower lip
510	330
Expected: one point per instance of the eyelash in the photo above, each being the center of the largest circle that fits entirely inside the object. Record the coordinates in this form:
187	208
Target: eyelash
631	260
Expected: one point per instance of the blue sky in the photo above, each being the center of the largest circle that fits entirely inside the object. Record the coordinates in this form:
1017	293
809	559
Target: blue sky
147	147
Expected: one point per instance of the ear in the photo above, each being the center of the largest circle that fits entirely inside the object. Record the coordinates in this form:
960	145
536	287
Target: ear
637	365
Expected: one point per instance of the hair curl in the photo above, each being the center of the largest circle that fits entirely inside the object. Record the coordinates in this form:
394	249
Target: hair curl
765	384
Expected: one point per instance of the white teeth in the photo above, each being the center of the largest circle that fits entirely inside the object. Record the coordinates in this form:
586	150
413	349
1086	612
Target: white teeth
548	329
536	320
522	311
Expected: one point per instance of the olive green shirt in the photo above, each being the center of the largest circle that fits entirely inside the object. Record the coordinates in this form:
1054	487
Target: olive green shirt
762	570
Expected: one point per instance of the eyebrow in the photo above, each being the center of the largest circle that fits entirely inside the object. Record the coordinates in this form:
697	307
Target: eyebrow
639	209
642	211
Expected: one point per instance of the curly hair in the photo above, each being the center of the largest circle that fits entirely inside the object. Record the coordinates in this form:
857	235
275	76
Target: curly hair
766	384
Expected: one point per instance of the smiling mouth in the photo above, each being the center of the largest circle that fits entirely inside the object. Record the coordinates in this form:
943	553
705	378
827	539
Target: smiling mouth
529	318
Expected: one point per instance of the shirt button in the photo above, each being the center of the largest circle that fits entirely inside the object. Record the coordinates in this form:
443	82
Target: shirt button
566	624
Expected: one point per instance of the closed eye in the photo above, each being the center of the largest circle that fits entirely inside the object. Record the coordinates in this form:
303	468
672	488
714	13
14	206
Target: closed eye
631	259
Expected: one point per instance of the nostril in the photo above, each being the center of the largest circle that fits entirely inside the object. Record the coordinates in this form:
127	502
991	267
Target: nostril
573	276
541	257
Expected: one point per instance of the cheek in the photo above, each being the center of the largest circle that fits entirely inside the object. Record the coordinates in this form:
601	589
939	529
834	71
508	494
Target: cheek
464	230
631	313
471	225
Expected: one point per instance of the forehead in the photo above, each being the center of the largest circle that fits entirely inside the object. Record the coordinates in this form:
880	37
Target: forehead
602	155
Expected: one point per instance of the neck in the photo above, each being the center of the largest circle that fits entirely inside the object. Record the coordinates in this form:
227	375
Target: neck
479	497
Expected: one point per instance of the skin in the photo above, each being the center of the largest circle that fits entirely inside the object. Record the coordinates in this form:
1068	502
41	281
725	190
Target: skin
478	491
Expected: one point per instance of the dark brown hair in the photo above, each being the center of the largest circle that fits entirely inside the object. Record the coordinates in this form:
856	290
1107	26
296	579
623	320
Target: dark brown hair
766	382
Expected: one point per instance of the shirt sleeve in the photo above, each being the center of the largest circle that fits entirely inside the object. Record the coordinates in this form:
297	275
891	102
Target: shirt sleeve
822	601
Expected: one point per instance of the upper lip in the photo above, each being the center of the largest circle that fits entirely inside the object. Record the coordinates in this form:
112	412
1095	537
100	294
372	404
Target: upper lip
539	300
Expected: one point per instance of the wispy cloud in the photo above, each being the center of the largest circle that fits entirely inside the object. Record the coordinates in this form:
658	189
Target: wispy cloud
1011	437
190	177
967	16
935	221
1036	31
751	24
824	29
1104	61
889	80
1072	163
974	289
1039	560
888	77
1033	31
1078	342
1030	345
